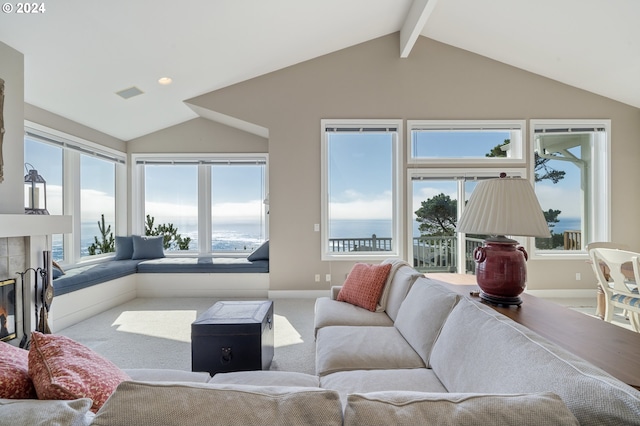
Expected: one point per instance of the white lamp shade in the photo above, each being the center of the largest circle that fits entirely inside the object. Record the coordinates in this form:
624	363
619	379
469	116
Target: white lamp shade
504	206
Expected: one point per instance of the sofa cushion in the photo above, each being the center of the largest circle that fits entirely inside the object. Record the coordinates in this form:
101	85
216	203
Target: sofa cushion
145	247
32	412
14	373
361	381
166	375
401	278
140	404
124	247
502	356
423	313
330	312
64	369
363	287
445	409
342	348
266	378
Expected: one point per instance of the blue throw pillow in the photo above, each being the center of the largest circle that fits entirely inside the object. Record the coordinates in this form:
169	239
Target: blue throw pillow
261	253
124	248
56	272
147	247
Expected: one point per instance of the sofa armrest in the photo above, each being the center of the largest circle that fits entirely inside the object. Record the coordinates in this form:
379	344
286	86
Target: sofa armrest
334	291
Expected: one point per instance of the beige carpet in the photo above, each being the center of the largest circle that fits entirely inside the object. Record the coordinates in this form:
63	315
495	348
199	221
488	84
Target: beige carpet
156	333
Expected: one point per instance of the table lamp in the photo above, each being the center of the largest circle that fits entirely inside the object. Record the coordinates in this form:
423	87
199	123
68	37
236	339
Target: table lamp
499	207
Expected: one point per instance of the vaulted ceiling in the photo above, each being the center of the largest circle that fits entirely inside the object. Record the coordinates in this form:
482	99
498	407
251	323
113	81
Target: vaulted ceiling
79	53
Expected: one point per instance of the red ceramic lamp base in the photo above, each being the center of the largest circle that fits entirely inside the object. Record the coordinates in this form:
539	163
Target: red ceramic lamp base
501	271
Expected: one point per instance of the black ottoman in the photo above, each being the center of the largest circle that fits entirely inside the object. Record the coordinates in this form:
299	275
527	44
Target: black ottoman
233	336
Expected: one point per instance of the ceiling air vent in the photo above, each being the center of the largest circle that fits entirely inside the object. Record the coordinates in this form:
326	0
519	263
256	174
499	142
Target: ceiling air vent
129	93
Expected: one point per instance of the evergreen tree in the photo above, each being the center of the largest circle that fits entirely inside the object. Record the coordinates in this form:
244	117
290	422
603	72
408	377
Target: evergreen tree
438	216
171	239
107	244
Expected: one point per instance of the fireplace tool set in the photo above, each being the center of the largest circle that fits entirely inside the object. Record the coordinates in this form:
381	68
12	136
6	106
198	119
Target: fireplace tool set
43	294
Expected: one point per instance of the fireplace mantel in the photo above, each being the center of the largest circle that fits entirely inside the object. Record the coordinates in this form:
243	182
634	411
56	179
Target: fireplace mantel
25	225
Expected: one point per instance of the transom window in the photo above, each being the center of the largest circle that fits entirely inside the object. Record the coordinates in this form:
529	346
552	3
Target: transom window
465	141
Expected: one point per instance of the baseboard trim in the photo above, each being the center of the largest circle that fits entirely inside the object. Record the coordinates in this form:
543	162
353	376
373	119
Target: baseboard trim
564	293
298	294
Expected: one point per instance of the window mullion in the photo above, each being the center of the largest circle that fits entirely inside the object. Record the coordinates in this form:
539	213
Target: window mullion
204	208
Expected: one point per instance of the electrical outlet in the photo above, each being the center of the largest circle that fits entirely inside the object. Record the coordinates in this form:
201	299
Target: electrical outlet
316	227
317	278
327	278
578	276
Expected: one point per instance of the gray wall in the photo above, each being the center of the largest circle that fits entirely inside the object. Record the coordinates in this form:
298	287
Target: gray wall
365	81
437	81
12	72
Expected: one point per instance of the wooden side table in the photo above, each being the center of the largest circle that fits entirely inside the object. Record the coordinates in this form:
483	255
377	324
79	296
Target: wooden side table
607	346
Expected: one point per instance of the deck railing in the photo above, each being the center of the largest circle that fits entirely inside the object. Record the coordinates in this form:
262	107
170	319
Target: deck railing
572	240
430	254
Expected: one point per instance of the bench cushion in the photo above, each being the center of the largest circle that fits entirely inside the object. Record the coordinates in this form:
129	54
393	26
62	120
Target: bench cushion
203	265
88	275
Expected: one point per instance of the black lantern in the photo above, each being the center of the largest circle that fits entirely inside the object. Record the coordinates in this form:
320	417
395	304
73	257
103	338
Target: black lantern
35	192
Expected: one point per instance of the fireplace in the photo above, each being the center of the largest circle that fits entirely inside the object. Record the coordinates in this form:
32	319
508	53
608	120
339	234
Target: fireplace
8	311
23	239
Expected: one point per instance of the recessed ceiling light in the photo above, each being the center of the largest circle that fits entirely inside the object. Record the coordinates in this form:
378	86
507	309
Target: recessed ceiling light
165	80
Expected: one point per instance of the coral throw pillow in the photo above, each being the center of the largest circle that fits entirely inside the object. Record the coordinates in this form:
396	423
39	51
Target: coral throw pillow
64	369
363	287
15	382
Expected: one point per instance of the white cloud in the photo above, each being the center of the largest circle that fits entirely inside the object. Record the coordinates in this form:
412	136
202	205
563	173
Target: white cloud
558	198
250	210
425	193
378	207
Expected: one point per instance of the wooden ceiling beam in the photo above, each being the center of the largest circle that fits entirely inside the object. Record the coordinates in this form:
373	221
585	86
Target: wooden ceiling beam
414	24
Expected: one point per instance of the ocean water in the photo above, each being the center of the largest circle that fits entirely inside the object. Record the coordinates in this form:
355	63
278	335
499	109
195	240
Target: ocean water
383	228
244	238
228	238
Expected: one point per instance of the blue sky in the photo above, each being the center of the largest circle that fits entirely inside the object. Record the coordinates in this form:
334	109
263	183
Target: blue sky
360	188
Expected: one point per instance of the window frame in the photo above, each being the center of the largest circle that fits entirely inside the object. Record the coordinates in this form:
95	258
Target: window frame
397	165
72	148
456	174
600	208
204	193
519	146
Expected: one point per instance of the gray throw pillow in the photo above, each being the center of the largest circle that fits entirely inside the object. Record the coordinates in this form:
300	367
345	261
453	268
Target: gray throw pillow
147	247
124	248
261	253
29	412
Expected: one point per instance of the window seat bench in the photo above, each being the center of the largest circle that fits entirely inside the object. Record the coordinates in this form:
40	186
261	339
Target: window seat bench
87	290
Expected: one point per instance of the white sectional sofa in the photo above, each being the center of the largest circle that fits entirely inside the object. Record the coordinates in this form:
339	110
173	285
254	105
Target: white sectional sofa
426	356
